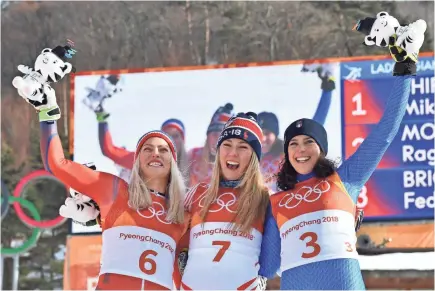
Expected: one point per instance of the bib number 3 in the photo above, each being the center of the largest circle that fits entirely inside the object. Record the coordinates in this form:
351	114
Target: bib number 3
310	239
147	264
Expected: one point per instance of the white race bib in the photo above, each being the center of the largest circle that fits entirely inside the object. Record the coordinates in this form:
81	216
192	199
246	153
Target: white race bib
221	258
317	236
138	252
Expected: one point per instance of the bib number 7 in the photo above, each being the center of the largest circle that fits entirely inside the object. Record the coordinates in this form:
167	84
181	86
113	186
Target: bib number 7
224	247
310	239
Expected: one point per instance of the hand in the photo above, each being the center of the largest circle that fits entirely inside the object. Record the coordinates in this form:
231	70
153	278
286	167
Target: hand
358	219
48	108
262	283
328	82
182	260
41	96
405	63
101	114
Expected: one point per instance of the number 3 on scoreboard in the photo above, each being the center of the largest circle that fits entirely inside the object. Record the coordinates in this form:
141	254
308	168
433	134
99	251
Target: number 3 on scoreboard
224	247
312	243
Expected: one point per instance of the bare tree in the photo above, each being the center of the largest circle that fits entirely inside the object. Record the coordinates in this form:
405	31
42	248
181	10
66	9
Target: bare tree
126	34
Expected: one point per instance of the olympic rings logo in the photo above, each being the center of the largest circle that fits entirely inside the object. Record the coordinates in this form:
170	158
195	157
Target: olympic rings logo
156	213
31	241
221	203
18	202
305	193
5	195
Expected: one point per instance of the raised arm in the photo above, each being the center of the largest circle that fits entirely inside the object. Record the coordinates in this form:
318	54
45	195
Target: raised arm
101	187
119	155
404	45
355	171
323	107
328	85
270	255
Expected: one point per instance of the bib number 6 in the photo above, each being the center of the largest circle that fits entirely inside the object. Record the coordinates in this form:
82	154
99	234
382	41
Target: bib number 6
147	264
310	239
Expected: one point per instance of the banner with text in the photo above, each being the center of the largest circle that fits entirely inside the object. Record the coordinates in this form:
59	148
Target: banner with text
402	186
140	101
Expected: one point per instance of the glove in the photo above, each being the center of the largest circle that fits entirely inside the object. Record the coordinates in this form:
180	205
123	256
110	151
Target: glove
405	46
358	219
405	64
94	221
48	110
101	114
182	260
262	283
94	101
328	82
41	96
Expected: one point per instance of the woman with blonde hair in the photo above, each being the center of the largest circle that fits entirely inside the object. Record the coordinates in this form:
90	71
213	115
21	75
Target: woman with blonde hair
142	221
227	215
124	158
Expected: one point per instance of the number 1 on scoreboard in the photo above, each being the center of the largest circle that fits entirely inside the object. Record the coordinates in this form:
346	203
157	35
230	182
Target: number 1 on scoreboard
358	100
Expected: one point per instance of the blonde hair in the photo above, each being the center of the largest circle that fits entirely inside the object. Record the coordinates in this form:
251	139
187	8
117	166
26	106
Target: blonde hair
139	197
253	199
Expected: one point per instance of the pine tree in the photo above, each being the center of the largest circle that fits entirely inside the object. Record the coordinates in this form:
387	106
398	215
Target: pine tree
39	269
11	224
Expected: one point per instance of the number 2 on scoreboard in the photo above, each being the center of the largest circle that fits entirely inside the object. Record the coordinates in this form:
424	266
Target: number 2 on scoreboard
224	247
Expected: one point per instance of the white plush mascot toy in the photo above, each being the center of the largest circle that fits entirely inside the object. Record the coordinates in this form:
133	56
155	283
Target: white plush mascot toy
324	70
34	87
81	208
385	30
106	87
50	66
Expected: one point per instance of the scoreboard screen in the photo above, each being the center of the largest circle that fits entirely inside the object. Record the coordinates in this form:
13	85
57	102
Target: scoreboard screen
402	186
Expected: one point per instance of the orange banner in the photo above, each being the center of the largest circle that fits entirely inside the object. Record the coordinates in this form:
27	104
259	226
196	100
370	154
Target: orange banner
82	262
407	235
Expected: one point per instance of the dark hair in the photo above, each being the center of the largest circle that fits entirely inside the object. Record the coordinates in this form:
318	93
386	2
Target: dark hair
287	175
